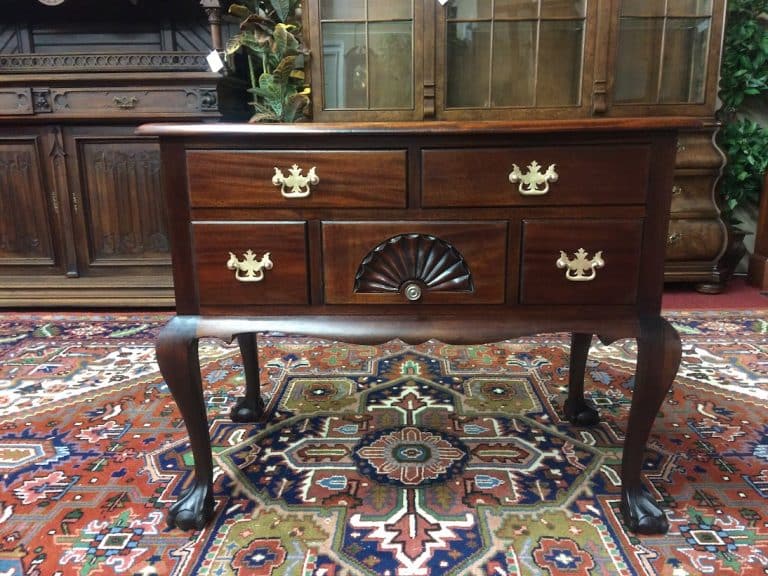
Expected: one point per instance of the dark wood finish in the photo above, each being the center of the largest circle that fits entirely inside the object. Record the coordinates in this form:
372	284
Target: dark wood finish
658	358
27	230
577	409
76	82
482	246
244	179
511	253
586	175
177	356
284	283
619	242
758	261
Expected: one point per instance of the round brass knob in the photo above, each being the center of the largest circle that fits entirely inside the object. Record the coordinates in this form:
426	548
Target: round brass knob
412	292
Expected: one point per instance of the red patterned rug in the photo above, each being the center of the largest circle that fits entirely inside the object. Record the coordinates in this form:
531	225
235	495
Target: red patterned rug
392	460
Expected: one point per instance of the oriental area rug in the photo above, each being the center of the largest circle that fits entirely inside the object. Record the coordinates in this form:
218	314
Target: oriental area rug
392	460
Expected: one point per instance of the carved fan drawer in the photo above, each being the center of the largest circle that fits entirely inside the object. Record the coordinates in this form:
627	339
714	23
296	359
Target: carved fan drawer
414	262
297	179
580	261
575	175
251	263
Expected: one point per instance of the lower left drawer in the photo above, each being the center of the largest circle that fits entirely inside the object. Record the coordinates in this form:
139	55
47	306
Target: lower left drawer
251	263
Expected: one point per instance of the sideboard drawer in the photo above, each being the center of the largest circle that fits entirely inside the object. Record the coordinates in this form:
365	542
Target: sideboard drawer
442	262
231	269
320	179
584	175
580	261
119	100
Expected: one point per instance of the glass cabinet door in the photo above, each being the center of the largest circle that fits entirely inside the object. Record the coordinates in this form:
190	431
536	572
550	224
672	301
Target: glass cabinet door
663	51
513	54
366	50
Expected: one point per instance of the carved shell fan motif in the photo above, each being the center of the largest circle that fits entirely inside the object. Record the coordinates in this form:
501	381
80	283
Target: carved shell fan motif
408	258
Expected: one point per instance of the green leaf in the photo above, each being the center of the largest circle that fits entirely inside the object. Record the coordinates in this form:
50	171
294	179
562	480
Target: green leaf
283	70
294	105
282	8
239	11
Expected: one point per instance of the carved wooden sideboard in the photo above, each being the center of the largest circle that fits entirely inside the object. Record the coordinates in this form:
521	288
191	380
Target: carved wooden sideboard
460	231
82	220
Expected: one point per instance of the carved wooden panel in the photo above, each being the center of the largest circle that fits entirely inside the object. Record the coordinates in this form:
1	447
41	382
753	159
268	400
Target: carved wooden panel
121	200
420	260
25	231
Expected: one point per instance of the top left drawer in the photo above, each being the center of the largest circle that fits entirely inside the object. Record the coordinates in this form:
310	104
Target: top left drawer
297	179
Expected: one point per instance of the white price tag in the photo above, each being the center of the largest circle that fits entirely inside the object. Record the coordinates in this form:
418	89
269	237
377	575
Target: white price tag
214	61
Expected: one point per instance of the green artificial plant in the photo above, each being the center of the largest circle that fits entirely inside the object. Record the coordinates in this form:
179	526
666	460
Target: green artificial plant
271	40
744	75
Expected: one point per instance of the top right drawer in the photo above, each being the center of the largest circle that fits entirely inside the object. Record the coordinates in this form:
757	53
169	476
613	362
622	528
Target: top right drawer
536	175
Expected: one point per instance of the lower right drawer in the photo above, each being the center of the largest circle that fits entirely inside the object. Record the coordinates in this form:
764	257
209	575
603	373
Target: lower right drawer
580	261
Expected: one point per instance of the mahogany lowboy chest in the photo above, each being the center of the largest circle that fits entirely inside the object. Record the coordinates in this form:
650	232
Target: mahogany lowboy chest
464	232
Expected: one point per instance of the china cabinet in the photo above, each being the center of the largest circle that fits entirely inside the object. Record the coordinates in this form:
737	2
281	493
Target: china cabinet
538	59
82	220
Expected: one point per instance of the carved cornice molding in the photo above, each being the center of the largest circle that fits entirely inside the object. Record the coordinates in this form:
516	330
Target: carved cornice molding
170	61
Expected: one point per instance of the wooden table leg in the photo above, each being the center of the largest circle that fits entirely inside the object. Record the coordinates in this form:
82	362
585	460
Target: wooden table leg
577	410
177	356
658	358
249	408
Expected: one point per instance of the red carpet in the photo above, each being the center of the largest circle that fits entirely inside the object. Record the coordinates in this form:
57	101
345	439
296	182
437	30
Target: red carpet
92	451
738	295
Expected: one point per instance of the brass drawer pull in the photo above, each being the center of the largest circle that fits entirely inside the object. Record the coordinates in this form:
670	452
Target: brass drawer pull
529	184
412	292
299	185
677	190
674	238
580	269
250	269
125	103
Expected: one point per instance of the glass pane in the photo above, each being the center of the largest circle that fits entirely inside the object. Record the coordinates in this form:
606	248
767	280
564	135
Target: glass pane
345	75
560	58
514	61
469	55
342	9
637	63
685	60
563	8
468	9
516	9
389	9
643	7
690	8
391	64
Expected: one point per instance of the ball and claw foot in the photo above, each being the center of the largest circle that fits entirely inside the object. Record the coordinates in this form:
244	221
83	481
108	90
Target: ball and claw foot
581	413
193	509
641	513
245	411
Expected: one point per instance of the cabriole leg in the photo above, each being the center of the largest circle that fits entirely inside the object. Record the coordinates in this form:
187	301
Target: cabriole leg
249	408
177	356
577	409
658	358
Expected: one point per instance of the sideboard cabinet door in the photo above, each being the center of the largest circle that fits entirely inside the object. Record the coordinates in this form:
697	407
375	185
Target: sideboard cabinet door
117	204
32	206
